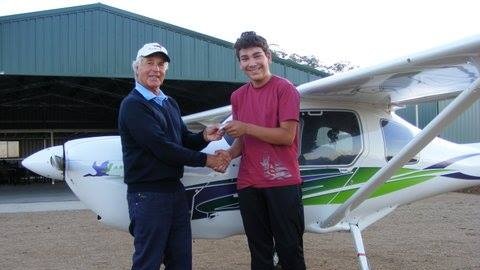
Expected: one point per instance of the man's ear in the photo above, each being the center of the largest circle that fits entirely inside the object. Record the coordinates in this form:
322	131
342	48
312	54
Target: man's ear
269	56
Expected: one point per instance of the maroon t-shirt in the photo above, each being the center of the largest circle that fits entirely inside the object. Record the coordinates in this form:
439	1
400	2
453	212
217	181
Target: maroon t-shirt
264	164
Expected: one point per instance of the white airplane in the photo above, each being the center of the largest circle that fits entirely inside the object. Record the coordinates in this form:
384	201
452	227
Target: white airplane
359	160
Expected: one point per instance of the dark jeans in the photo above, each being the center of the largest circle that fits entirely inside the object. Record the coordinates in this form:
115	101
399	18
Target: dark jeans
273	220
160	225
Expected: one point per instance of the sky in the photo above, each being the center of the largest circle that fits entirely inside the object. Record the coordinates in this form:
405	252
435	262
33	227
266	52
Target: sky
362	32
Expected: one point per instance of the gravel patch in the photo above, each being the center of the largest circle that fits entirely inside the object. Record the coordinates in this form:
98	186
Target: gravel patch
442	232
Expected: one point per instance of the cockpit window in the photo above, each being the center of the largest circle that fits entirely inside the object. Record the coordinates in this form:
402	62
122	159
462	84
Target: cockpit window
395	136
329	138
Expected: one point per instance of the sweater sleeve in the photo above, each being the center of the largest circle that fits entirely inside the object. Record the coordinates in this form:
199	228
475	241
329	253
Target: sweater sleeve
140	122
190	140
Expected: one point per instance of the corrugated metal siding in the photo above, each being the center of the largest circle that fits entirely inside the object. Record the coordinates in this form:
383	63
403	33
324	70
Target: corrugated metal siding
426	112
101	41
466	129
297	77
407	113
221	64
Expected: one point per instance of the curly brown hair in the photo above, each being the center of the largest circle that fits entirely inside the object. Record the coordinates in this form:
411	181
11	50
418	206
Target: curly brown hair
250	39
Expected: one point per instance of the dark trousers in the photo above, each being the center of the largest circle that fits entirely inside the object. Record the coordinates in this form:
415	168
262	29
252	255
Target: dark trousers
273	220
160	225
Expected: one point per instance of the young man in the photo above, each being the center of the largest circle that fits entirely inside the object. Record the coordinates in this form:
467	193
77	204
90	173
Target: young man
156	145
265	125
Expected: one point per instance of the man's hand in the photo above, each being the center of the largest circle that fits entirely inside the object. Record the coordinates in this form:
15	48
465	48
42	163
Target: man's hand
212	133
227	157
236	128
219	162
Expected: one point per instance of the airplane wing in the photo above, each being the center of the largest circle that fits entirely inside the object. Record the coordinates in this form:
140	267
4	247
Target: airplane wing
440	73
199	121
435	74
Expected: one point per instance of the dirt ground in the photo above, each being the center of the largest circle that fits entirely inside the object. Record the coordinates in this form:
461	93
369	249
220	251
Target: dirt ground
442	232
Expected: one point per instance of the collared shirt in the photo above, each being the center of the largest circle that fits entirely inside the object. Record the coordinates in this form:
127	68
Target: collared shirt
156	144
148	95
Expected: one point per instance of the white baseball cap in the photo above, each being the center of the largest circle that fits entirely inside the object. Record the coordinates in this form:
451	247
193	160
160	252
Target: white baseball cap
151	48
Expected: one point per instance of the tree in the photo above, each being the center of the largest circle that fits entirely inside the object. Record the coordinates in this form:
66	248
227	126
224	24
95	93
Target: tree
341	67
313	62
279	53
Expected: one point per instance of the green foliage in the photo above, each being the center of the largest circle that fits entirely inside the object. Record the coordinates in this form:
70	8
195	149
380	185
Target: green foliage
313	62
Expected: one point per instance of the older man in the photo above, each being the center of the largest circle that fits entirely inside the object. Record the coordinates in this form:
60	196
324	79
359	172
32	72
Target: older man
156	145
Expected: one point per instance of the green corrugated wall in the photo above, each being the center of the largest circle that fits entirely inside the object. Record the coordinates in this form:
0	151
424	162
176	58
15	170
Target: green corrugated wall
101	41
465	129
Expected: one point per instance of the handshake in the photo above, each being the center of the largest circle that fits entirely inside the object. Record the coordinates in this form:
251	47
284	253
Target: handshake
220	161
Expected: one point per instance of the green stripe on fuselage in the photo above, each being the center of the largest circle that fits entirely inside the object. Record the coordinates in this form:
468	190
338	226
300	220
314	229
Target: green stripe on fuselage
337	189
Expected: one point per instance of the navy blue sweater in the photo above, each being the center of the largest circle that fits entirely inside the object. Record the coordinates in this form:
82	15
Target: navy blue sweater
156	144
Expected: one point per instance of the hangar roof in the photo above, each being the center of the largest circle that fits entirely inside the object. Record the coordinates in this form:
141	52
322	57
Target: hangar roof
101	41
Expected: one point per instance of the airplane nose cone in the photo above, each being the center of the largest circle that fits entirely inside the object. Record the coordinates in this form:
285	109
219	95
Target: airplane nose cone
45	162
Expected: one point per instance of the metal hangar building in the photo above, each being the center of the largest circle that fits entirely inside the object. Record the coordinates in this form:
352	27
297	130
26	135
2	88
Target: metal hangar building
64	72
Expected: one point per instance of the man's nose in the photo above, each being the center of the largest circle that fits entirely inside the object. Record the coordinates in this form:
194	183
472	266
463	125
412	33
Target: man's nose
252	63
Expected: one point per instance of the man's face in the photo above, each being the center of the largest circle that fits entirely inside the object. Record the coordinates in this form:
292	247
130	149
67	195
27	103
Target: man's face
255	63
151	71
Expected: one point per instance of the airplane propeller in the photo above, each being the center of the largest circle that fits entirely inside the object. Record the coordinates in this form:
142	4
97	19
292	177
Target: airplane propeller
57	162
47	162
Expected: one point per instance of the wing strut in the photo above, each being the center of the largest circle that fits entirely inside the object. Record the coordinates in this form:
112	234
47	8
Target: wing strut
450	113
361	254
